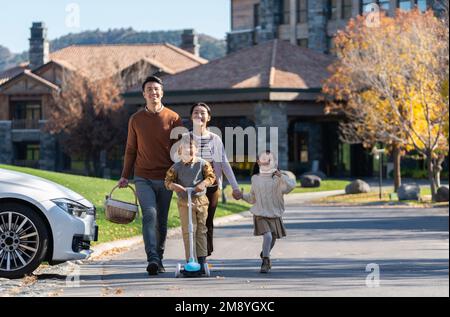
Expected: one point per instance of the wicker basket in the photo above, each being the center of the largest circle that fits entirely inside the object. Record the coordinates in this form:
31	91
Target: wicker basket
121	212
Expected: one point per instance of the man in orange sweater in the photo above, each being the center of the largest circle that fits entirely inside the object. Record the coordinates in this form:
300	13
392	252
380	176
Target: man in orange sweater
148	152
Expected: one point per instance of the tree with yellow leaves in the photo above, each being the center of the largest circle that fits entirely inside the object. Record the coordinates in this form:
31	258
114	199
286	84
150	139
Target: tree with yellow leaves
388	81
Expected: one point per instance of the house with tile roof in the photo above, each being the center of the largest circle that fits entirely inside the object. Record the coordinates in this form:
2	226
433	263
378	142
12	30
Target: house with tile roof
26	90
278	54
272	84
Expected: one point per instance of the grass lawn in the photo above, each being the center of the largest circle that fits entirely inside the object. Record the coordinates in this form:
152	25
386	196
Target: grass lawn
372	198
95	189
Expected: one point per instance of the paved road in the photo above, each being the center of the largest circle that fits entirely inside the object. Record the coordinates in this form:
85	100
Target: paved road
325	254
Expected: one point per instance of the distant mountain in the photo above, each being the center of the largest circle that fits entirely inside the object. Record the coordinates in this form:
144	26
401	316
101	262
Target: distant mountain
9	59
210	47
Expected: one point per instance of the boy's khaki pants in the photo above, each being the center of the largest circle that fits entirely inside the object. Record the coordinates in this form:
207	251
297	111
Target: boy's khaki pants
199	216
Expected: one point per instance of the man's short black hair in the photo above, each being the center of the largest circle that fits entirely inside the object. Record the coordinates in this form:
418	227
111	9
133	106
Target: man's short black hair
152	79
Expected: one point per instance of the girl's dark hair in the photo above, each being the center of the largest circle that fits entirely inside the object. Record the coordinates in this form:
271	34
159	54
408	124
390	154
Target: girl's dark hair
201	104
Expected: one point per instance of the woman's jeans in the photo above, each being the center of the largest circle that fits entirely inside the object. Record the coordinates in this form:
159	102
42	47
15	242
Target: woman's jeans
154	200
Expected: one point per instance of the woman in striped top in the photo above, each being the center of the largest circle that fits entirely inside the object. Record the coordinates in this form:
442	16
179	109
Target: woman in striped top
210	148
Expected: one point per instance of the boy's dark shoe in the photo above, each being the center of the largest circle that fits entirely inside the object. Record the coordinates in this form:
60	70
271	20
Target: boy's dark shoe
265	266
202	260
152	268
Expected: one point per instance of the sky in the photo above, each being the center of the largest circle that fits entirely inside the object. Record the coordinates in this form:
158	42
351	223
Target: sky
61	17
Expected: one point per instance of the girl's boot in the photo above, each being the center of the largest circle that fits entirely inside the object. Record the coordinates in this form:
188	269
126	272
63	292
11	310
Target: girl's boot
265	266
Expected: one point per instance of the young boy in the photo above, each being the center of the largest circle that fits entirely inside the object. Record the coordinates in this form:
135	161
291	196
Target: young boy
192	171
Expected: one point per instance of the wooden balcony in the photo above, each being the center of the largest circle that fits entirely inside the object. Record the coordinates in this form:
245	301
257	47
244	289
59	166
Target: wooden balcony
23	124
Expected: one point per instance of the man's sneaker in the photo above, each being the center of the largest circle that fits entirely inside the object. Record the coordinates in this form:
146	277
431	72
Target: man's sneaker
161	268
152	268
265	266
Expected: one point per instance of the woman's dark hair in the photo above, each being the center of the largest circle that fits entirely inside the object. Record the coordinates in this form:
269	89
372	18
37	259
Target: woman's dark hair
201	104
151	79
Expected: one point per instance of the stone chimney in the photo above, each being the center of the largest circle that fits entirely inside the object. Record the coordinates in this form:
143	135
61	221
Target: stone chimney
189	42
39	46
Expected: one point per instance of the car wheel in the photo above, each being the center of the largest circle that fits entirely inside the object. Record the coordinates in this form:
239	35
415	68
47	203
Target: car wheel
23	240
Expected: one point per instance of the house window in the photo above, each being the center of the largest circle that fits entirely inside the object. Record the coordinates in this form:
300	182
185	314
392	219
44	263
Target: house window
26	114
367	5
286	12
256	15
332	9
26	110
422	5
303	147
302	43
26	154
32	152
407	5
302	11
347	9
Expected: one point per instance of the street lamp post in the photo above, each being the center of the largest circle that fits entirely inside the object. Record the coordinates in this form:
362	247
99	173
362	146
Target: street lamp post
378	154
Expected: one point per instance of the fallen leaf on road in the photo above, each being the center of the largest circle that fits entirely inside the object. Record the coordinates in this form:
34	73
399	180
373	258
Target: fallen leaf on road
118	291
111	252
56	293
29	280
105	291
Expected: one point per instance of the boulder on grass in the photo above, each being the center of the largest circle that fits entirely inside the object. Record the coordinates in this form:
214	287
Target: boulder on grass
442	194
357	187
310	181
319	174
409	192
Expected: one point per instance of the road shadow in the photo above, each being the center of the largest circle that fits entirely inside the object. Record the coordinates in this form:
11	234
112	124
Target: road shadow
286	269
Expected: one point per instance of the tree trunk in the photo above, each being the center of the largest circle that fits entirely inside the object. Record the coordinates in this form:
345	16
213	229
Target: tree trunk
96	162
397	169
87	166
431	176
437	166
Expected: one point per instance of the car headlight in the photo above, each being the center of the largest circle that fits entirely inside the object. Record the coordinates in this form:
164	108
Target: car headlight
73	208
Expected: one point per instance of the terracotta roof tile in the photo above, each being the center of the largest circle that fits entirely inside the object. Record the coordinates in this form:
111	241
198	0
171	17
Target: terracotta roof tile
100	61
274	64
12	72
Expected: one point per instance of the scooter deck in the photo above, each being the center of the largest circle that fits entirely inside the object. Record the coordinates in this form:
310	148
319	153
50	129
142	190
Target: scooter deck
192	274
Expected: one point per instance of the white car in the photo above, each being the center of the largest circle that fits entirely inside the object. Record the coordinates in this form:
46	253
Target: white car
41	221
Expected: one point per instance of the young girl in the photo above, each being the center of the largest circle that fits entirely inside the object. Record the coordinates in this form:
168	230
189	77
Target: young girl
267	191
